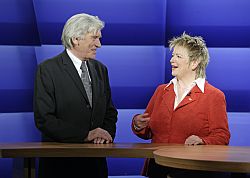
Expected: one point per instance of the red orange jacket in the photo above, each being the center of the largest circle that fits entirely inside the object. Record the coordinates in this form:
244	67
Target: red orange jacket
201	114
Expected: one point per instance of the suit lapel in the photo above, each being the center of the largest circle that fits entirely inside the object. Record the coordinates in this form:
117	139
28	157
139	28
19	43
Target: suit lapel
168	97
72	72
94	80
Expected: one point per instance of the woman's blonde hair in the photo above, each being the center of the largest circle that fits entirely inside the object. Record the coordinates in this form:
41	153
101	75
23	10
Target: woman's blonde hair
197	51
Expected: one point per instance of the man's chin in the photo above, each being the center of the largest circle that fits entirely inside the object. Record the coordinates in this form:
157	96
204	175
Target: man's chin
92	57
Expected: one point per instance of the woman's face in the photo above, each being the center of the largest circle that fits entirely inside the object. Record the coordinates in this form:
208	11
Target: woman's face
180	63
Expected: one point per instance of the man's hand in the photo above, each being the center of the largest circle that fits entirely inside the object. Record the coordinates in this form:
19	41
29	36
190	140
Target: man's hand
194	140
101	140
99	135
141	121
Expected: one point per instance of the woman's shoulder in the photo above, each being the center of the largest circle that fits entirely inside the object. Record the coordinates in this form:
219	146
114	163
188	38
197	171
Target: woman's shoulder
210	89
162	86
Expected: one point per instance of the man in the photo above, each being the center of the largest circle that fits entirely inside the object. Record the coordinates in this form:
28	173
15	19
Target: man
72	100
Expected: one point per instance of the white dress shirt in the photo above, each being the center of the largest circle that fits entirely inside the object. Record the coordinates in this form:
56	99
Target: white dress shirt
200	82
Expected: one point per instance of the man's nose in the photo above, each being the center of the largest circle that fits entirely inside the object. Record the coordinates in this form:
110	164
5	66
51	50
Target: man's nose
98	43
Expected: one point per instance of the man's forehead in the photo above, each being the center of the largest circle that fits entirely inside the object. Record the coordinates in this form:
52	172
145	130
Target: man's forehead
95	33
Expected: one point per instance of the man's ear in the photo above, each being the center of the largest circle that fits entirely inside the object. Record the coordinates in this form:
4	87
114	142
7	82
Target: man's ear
75	41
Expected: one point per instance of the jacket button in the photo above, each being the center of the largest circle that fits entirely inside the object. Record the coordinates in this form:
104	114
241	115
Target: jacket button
88	106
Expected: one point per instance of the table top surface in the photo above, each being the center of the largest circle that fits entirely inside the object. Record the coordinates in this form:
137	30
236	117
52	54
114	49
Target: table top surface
53	149
205	157
201	157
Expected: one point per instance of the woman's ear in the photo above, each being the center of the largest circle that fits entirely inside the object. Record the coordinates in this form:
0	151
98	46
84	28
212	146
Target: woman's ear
195	64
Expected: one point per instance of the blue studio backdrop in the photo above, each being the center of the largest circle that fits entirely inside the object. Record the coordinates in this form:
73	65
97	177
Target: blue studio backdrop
135	50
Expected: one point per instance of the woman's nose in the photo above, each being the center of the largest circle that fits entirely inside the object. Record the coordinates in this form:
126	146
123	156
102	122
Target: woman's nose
172	59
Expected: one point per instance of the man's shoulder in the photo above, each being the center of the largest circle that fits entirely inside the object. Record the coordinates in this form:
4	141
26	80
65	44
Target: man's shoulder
51	61
97	62
98	65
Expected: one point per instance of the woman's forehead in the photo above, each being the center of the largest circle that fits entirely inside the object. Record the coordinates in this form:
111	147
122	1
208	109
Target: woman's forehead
180	50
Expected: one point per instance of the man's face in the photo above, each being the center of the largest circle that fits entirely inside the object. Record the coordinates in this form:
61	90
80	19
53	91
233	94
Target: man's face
86	47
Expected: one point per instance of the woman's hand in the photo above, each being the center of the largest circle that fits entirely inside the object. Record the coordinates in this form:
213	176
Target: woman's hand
194	140
141	121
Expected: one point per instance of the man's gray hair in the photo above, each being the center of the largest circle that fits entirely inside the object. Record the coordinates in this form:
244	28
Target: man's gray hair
78	25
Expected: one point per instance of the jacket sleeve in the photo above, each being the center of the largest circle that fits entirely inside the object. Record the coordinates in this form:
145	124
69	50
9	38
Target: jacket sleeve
110	117
46	119
146	132
218	122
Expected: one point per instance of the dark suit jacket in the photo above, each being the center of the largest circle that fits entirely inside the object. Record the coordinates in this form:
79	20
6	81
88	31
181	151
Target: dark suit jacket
61	108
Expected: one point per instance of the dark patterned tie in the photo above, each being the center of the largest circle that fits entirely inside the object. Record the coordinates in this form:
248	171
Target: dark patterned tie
86	81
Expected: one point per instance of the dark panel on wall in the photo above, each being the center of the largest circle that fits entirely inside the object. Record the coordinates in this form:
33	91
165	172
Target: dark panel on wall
134	71
18	23
140	22
17	70
223	23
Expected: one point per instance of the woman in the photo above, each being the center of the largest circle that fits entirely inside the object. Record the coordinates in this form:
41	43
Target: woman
187	110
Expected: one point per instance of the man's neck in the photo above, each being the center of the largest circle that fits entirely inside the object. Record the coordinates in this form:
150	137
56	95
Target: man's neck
78	55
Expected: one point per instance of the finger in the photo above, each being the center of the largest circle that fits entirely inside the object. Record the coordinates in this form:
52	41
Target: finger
188	141
95	141
144	115
109	136
138	116
143	122
105	135
196	141
102	141
144	119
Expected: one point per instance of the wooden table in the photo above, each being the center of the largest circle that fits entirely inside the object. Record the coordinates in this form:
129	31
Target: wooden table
205	157
29	151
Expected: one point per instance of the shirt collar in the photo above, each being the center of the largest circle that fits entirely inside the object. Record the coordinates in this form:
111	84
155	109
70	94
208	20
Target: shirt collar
76	61
200	82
